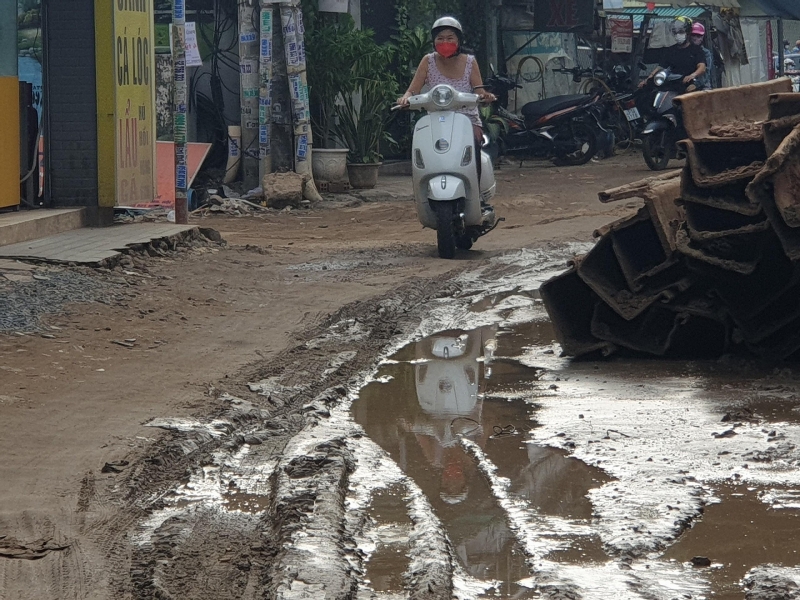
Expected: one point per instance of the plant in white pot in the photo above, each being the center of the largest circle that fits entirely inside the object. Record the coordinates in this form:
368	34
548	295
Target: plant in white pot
332	47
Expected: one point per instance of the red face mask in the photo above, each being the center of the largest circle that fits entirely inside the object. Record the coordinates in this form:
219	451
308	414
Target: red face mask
447	49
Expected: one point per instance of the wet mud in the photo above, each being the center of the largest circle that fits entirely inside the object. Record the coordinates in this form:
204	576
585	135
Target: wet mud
462	410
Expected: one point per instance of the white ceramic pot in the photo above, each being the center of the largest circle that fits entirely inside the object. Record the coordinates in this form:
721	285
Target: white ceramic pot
329	165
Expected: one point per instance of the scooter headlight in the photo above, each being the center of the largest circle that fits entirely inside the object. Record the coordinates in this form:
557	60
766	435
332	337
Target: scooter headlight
660	78
442	95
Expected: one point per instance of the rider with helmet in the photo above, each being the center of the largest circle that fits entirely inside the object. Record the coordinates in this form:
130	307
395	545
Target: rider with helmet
706	80
450	65
683	58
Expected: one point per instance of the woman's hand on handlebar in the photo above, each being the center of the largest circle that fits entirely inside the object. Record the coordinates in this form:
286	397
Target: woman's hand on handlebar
486	97
403	100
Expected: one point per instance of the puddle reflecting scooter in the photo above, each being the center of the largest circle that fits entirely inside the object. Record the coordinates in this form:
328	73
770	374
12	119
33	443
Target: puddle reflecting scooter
448	196
447	379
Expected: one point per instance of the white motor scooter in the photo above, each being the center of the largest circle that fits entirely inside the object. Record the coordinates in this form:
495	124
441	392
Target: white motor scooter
448	196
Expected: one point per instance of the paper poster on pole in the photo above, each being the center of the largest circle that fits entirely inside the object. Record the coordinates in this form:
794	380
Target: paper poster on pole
192	49
334	6
621	35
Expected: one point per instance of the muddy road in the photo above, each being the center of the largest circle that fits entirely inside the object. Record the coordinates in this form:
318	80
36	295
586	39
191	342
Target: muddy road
321	408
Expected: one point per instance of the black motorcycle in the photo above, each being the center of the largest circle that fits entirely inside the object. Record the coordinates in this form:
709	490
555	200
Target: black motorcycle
665	123
562	128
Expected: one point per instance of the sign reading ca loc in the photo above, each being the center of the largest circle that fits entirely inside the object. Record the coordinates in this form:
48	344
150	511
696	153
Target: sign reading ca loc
134	63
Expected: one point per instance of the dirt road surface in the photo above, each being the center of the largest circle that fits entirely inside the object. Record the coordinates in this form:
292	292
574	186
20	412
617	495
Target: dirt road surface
211	421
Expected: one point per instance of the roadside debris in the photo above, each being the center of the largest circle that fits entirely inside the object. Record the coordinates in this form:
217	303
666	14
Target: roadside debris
709	265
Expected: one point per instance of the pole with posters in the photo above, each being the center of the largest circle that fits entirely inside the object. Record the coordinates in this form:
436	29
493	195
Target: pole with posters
264	89
294	43
179	101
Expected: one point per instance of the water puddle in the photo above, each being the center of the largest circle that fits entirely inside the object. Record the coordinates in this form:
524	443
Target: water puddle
430	397
737	534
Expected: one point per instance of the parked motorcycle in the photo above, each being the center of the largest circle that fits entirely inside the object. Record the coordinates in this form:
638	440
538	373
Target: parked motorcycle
447	193
665	126
563	128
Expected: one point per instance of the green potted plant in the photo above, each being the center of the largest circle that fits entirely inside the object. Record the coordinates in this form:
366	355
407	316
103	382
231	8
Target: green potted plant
361	117
332	46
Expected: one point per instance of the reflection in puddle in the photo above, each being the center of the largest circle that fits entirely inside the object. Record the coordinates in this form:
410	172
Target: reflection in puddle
448	388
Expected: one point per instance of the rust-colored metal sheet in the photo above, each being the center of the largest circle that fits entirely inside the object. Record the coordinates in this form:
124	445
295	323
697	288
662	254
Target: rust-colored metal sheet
570	304
783	105
602	272
725	234
686	330
635	189
776	130
734	113
782	170
730	196
789	237
719	163
694	251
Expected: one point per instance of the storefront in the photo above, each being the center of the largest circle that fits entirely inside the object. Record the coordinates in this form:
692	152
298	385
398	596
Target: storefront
90	66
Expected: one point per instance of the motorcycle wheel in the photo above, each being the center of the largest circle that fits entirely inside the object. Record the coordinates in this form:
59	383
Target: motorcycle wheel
445	229
656	150
586	140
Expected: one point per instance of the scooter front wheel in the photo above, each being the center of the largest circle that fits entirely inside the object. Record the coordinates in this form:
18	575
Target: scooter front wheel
445	228
656	149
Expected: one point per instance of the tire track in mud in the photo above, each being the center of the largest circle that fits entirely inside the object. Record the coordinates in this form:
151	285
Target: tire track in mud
170	544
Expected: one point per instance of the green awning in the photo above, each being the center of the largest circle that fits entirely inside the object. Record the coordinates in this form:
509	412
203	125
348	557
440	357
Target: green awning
661	12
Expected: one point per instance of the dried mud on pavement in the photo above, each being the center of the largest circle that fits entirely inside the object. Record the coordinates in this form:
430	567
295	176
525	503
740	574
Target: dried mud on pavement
321	408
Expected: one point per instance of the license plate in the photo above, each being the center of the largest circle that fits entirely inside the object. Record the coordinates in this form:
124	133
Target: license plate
632	114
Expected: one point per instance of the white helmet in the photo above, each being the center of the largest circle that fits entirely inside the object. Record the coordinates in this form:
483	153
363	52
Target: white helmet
447	23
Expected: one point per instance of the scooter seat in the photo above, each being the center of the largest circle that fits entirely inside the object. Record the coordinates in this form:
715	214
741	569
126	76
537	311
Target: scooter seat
533	111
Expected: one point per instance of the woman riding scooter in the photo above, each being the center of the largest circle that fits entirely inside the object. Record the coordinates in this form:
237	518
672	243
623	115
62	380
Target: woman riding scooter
449	65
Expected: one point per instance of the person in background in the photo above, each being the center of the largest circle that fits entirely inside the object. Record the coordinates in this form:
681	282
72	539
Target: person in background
706	80
684	58
796	48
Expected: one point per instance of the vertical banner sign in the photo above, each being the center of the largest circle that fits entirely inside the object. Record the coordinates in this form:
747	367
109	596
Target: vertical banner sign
179	101
134	62
621	35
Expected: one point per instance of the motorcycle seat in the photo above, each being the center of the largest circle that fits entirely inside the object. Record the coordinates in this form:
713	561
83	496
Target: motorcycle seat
533	111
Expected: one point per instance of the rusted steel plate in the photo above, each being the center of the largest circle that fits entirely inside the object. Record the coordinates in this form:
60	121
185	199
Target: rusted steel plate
694	251
780	312
775	131
602	272
635	189
729	113
729	196
718	163
789	237
783	105
570	304
783	171
725	234
664	329
781	345
665	213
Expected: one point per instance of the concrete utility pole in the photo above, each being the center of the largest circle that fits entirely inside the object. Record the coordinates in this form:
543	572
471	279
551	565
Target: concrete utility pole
179	100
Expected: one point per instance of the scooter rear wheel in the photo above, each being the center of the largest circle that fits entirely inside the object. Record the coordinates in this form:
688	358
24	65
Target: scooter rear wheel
585	139
445	228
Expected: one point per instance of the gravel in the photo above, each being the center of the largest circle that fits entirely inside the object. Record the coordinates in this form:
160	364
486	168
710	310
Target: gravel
24	303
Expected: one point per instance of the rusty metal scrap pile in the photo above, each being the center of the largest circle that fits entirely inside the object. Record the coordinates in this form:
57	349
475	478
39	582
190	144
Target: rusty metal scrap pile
711	263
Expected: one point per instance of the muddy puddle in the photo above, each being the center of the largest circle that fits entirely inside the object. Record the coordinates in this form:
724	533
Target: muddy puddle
605	477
